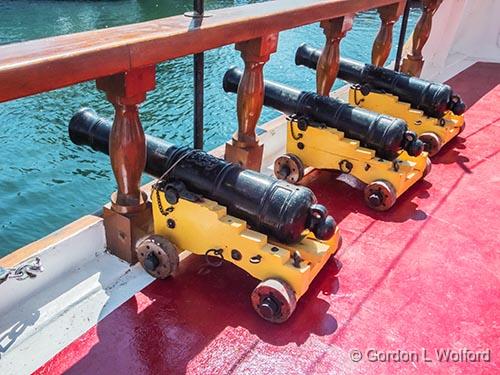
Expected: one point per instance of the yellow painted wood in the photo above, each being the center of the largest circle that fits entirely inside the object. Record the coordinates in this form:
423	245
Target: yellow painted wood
326	148
204	225
417	121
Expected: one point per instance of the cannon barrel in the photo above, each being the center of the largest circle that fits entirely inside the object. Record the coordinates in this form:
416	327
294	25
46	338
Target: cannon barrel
434	99
384	134
273	207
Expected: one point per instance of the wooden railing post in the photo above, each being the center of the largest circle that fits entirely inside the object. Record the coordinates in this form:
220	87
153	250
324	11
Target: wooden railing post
414	61
383	41
329	61
245	148
129	216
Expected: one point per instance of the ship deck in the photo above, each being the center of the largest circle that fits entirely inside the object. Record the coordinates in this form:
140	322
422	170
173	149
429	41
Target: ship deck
424	276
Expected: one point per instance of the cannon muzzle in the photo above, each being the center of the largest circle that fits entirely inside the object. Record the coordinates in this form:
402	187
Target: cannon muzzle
274	207
433	98
384	134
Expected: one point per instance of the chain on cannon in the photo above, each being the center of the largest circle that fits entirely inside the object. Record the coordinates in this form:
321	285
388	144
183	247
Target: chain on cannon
215	208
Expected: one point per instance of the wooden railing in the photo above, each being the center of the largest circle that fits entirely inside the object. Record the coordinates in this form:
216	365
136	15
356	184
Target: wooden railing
414	61
122	61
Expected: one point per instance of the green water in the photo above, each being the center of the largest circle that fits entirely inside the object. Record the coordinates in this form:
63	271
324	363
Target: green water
46	181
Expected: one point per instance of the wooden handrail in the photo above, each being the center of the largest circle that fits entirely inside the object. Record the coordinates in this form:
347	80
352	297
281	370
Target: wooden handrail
42	65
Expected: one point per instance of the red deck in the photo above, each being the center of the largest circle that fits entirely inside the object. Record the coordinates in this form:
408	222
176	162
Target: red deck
422	276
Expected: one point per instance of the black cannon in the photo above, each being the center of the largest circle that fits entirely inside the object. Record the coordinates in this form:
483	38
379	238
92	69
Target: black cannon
273	207
434	99
384	134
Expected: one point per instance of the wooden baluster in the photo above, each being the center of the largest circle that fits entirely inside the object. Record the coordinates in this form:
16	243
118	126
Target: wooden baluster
129	216
245	148
329	61
383	41
414	61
